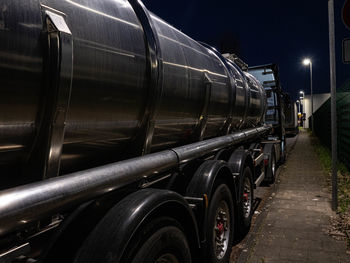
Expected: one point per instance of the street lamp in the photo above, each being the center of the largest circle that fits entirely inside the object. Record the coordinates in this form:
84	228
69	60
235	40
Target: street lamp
306	62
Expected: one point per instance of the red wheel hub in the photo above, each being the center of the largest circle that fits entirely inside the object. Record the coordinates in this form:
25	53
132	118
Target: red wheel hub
245	196
220	226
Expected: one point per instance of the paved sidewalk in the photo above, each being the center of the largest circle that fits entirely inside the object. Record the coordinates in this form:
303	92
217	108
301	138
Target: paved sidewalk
293	229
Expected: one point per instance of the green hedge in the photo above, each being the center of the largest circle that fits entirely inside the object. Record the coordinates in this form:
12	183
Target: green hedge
322	125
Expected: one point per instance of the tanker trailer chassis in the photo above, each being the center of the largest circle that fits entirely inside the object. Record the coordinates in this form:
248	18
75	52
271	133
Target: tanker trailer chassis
122	139
201	194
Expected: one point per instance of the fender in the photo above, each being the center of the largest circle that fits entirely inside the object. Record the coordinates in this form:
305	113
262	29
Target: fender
203	180
202	184
237	162
268	148
223	154
76	227
118	226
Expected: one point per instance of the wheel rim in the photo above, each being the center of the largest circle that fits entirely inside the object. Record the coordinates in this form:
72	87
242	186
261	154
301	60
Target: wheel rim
273	166
221	230
167	258
247	197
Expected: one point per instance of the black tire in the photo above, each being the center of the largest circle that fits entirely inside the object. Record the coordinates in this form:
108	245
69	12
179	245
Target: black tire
271	169
244	216
161	240
220	225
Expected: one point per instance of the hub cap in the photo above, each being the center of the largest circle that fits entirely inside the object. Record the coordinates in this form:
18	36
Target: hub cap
221	230
247	198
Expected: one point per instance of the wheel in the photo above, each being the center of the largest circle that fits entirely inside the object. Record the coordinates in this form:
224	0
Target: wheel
271	169
161	241
283	150
220	225
245	206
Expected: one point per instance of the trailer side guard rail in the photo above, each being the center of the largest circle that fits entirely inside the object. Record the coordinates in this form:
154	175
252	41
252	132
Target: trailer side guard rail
25	204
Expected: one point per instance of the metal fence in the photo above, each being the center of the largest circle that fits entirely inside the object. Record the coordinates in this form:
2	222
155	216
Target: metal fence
322	125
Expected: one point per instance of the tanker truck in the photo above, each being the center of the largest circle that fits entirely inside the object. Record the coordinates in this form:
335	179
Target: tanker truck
124	140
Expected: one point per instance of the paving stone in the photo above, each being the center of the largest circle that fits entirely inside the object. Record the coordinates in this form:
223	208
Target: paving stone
272	260
308	244
262	250
322	257
331	245
343	258
293	254
277	242
291	234
263	259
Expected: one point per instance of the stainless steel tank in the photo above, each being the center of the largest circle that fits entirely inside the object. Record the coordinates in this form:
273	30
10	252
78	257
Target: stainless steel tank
87	82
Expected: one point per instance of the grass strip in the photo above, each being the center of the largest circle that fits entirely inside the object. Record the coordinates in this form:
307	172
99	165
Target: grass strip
325	156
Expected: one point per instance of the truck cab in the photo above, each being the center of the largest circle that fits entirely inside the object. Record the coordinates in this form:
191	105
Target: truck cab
268	75
290	112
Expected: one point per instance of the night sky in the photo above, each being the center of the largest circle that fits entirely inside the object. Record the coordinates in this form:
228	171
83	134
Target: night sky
262	32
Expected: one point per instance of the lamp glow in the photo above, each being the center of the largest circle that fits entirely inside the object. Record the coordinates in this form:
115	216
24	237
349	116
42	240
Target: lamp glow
306	61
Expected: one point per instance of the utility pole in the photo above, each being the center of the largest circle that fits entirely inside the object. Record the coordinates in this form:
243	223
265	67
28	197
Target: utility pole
333	104
312	100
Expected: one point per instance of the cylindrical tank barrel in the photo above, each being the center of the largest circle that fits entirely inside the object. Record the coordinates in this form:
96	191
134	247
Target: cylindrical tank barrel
92	82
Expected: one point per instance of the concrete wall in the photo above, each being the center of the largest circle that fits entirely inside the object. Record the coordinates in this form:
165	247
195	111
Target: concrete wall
318	99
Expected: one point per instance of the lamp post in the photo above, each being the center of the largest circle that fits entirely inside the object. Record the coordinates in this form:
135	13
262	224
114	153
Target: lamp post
302	105
298	103
333	103
306	62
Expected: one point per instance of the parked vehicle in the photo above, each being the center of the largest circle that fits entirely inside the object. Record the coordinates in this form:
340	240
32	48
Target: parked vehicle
268	75
124	140
291	113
